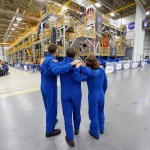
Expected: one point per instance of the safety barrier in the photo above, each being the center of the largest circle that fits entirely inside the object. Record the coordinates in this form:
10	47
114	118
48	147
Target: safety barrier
27	67
110	67
114	67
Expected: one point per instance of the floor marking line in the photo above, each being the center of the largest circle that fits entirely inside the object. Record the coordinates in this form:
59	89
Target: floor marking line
19	93
23	86
19	89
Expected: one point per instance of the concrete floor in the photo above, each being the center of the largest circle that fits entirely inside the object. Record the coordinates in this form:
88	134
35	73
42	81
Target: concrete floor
22	117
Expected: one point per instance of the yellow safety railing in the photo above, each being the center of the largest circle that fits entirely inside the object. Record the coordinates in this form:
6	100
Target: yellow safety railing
32	30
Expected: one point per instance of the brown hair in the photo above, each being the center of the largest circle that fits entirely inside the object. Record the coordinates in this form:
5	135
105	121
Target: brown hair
70	52
52	48
92	62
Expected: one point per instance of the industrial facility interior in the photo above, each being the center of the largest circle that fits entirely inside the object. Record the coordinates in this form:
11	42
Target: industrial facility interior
115	32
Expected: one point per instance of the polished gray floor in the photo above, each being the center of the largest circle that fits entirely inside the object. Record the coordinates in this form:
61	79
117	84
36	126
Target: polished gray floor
127	109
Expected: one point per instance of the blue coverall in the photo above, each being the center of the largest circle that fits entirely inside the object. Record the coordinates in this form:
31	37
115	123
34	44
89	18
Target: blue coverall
49	71
97	85
71	98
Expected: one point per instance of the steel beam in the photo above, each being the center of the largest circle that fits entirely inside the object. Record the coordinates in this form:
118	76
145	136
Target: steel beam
11	22
3	19
123	8
4	25
18	15
103	4
3	28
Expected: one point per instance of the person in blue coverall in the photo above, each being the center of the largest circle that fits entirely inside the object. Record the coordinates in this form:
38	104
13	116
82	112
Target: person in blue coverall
97	86
49	70
71	97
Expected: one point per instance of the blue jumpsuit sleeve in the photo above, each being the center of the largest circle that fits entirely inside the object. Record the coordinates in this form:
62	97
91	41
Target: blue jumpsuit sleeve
76	76
47	72
105	84
89	72
42	68
58	69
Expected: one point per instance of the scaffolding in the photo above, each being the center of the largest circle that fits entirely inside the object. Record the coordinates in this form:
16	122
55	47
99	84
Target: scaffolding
86	30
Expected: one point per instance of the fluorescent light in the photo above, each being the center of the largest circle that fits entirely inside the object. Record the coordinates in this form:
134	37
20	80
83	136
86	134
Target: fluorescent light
112	14
12	29
19	19
15	24
64	7
54	18
98	4
89	28
147	13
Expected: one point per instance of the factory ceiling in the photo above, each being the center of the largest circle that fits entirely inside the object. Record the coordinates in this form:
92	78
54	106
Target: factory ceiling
16	16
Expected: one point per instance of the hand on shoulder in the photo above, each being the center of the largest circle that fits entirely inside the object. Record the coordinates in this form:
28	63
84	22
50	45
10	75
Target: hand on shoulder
42	61
54	60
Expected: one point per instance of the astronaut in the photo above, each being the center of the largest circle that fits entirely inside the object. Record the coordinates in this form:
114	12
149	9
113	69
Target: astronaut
97	86
49	70
71	97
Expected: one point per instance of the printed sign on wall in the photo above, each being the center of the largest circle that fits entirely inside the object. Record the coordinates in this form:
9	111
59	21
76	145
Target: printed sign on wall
115	23
131	26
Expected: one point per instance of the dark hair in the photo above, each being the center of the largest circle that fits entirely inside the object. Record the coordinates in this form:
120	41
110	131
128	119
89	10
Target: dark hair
92	62
70	52
52	48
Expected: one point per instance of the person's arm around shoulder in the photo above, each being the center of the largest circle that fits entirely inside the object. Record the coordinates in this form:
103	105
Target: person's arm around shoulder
61	69
77	77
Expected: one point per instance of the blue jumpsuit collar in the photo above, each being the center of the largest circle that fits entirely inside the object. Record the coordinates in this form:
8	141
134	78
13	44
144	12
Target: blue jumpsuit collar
68	59
50	55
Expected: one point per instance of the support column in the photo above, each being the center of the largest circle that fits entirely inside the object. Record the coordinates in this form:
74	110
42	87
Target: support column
50	27
18	56
139	33
33	51
42	30
42	50
3	52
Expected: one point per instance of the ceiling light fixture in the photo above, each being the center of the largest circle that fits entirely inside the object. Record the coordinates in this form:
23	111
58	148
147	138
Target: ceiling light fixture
112	14
147	13
54	18
12	29
64	7
89	28
15	24
19	19
98	5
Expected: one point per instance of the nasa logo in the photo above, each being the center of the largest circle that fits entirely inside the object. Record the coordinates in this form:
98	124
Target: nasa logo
131	25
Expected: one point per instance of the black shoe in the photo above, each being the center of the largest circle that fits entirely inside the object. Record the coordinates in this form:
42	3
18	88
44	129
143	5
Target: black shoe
76	132
70	143
54	133
101	132
97	138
